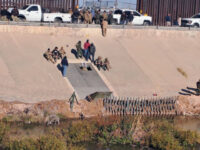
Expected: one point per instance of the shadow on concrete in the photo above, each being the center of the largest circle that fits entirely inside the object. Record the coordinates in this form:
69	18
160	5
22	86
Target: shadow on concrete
60	68
73	51
189	91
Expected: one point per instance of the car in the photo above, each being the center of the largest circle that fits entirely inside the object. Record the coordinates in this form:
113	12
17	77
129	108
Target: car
194	21
139	19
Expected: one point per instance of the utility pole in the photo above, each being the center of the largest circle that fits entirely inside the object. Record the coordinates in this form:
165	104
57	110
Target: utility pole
83	3
116	4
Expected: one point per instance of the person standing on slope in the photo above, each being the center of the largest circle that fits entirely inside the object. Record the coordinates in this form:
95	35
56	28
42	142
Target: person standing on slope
86	50
65	64
104	27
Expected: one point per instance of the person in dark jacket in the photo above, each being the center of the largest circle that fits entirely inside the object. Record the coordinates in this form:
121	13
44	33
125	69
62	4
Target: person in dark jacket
14	14
15	11
65	64
168	20
123	18
130	18
92	50
55	53
5	14
110	18
75	16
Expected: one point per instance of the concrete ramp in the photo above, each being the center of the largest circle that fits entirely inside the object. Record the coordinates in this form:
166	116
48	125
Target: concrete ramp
85	82
143	61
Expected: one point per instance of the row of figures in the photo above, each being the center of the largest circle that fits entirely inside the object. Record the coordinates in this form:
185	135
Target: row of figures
141	106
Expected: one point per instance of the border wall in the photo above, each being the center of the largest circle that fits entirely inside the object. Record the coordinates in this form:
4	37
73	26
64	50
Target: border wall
158	9
52	5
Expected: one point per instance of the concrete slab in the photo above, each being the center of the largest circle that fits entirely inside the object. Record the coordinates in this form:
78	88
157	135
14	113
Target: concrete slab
85	82
143	61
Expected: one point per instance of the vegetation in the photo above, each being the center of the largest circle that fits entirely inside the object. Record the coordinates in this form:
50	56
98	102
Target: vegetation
157	133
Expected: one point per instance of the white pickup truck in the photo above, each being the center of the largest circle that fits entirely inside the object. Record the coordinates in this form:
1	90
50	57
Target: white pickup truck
139	19
34	12
194	21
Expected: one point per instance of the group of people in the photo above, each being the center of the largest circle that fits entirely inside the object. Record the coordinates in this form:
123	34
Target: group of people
88	52
168	20
55	54
91	16
13	16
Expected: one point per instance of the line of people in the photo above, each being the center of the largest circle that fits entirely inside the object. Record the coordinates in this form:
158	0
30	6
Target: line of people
88	52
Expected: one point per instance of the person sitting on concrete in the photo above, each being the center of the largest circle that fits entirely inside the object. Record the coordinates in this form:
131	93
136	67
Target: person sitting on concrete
198	87
79	51
48	56
55	53
106	64
15	14
62	52
92	50
98	62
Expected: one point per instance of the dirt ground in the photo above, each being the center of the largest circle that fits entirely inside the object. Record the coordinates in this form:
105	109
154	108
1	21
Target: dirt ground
144	61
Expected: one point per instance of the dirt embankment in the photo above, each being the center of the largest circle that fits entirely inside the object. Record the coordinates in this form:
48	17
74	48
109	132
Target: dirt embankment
186	105
41	110
189	105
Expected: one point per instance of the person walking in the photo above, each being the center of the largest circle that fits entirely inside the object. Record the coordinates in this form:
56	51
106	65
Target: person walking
86	50
65	64
104	27
92	51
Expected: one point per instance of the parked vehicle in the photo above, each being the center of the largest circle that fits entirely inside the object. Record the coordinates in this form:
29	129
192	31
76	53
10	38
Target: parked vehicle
34	12
194	21
139	19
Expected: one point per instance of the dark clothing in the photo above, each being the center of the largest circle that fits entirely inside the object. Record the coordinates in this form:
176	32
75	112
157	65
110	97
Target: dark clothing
130	18
110	19
6	13
123	18
97	18
198	85
75	16
92	51
64	61
15	12
55	52
168	19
